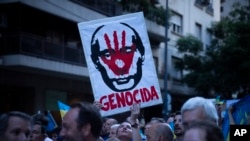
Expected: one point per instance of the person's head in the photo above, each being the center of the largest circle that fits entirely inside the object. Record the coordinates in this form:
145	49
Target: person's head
15	126
152	121
203	131
107	126
198	108
103	131
54	134
170	120
38	131
113	130
157	120
82	122
39	116
118	53
159	132
124	131
178	128
113	139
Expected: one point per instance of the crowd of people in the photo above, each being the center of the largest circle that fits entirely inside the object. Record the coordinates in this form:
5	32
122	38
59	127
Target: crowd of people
198	119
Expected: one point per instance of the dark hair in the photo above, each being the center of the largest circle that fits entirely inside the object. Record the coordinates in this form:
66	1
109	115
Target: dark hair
177	113
43	127
4	119
89	114
104	119
41	117
212	131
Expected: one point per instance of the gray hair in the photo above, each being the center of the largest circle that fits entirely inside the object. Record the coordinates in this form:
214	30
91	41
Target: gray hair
208	106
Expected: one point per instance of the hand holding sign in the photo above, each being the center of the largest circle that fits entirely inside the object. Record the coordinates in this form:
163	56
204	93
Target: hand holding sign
97	104
135	112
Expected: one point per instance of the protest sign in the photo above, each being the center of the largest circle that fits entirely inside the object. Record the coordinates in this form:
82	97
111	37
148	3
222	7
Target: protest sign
120	62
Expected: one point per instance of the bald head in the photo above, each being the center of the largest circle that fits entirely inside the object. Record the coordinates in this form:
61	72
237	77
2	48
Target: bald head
159	132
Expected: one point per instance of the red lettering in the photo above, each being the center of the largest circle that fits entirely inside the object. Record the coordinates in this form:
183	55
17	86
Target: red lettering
129	98
120	100
123	99
105	105
111	101
146	94
154	93
142	95
135	96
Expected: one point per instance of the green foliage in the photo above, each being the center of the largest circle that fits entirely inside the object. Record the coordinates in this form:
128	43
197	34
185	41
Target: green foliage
151	12
225	67
189	44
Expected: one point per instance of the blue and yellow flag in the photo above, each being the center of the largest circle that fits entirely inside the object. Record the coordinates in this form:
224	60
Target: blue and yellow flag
63	108
51	122
240	115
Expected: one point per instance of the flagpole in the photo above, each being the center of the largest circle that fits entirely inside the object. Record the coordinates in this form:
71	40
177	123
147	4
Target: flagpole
52	117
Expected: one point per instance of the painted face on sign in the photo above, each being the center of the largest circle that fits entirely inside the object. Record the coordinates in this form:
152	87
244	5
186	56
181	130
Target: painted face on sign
118	53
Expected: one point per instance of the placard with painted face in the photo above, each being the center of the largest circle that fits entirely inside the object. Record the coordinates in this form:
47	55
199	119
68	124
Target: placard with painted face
120	62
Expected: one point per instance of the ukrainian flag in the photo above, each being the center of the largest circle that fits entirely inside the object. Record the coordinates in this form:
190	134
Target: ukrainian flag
240	114
52	123
63	108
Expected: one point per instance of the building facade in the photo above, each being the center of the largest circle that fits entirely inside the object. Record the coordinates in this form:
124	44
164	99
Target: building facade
187	17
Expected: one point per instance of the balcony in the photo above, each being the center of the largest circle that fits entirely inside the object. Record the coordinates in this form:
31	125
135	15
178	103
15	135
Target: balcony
210	9
36	46
105	7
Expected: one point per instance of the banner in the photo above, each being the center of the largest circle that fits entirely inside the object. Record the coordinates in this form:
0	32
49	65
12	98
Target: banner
120	62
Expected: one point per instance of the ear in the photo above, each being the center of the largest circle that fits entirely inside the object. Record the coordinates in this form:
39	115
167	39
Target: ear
86	130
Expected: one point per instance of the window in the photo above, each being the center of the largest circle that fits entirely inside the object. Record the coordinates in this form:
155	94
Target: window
202	2
176	74
210	9
54	37
208	37
207	4
176	21
51	98
198	31
221	9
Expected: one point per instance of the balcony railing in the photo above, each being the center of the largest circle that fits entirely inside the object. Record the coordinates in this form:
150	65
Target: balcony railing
27	44
210	9
106	7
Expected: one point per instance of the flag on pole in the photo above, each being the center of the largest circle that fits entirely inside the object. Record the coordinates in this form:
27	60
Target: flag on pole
51	122
63	108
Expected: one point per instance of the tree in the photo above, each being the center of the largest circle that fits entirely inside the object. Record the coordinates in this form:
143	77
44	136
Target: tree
224	67
149	8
